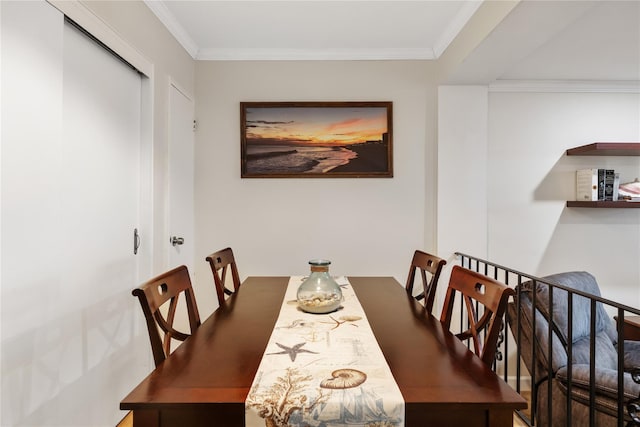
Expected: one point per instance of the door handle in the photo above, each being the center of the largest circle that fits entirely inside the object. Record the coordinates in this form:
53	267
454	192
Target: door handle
136	241
176	241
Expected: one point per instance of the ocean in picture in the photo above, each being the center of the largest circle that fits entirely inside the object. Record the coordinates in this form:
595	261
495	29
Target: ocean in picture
266	159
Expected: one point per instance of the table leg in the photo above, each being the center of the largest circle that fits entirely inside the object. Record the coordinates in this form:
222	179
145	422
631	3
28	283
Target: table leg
501	418
146	418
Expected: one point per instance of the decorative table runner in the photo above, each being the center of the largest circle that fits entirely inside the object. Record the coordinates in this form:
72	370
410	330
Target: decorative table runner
323	370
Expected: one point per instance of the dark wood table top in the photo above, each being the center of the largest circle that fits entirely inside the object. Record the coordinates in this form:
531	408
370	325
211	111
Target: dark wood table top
631	327
216	366
632	320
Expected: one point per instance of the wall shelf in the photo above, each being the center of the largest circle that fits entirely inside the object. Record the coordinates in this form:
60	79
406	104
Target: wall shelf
606	149
602	204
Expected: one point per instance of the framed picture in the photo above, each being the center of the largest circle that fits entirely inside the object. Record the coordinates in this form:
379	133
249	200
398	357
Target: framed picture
316	139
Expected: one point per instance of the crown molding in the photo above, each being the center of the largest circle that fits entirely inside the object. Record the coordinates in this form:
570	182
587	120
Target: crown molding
168	20
314	54
453	29
566	86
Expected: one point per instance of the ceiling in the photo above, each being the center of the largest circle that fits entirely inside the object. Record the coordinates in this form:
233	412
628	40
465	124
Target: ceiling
539	40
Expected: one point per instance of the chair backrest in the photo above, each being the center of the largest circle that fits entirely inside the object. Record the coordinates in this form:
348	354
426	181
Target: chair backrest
425	263
153	295
478	291
220	262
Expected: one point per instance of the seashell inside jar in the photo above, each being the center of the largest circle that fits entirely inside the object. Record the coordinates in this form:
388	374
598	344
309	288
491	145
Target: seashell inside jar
319	293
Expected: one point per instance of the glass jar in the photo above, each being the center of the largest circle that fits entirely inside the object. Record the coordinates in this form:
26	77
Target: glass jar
319	293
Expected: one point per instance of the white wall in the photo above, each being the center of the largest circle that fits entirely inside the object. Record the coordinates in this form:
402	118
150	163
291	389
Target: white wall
462	176
530	178
462	170
513	179
366	226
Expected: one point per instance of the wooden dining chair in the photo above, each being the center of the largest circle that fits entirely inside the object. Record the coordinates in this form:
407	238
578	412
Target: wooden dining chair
220	262
425	263
153	295
478	291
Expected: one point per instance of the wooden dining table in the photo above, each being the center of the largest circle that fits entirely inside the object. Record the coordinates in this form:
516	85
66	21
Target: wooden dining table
205	381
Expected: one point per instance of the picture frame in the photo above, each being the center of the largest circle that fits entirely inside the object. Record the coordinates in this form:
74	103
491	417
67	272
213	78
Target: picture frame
316	139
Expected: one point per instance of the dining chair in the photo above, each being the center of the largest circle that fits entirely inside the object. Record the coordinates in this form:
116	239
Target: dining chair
425	263
478	291
153	296
220	262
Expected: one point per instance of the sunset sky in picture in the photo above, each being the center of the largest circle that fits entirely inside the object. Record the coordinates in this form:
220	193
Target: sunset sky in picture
315	125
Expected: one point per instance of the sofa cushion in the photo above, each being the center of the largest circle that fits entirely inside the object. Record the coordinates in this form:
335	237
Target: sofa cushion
631	355
605	408
606	383
524	320
581	323
606	352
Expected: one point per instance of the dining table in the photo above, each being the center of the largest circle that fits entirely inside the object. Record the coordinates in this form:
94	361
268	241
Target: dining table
206	380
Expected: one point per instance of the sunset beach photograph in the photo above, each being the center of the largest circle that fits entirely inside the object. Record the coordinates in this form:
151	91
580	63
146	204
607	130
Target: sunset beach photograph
316	139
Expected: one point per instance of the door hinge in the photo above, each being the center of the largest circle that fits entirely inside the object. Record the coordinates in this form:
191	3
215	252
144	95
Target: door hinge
195	125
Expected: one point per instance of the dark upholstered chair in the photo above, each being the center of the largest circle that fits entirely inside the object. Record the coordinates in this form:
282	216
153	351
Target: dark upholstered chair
220	262
425	263
477	291
154	294
558	368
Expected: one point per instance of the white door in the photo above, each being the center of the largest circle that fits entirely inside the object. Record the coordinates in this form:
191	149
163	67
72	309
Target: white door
181	180
99	165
